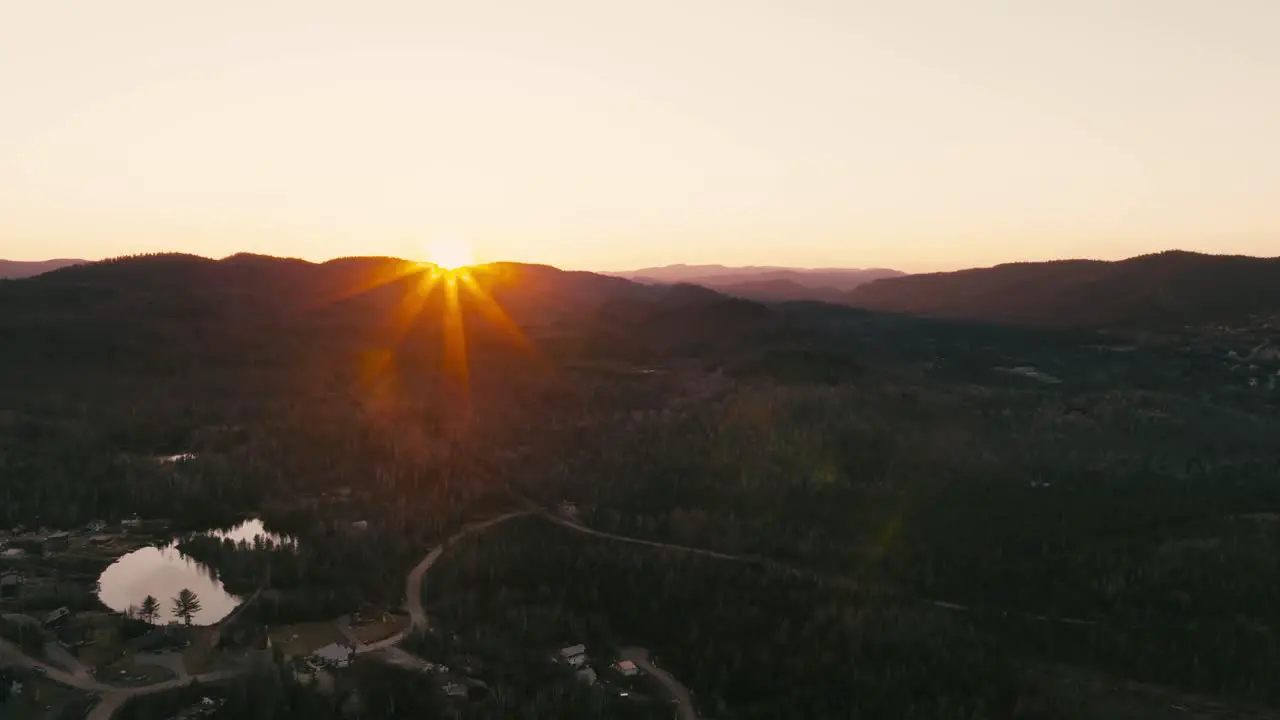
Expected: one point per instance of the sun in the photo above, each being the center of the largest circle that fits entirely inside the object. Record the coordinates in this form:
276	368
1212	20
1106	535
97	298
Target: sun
450	253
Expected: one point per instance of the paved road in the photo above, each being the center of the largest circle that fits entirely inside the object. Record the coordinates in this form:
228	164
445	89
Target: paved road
684	700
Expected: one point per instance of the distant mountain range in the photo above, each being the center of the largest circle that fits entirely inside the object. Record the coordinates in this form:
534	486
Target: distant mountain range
1150	292
1160	291
769	284
134	310
12	269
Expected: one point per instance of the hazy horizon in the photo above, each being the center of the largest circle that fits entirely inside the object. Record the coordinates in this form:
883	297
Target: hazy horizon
920	135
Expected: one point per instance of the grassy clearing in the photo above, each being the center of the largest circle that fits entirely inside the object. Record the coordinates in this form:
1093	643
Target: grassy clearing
303	639
375	631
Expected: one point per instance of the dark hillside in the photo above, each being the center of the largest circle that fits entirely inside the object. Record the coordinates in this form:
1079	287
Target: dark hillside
14	269
1168	290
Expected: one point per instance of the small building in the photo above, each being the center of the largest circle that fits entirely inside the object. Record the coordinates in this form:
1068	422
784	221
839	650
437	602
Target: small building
11	585
332	656
57	542
627	668
574	655
57	616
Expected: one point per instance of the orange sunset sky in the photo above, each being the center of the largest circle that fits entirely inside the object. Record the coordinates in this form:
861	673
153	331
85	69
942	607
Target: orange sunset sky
915	134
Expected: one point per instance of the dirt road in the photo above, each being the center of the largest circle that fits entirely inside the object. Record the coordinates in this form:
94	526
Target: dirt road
111	698
413	583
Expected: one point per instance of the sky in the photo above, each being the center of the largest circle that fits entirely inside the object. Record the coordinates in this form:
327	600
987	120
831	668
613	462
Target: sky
601	134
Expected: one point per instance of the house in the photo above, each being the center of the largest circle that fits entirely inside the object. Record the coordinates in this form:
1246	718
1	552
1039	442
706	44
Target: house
574	655
57	616
10	585
332	656
586	675
57	542
627	668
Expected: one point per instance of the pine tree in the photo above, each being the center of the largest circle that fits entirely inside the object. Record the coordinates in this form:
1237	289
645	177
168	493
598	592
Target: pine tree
186	605
150	609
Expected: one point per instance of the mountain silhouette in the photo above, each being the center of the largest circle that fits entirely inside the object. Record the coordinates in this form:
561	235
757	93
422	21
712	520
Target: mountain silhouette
766	284
13	269
173	309
1160	291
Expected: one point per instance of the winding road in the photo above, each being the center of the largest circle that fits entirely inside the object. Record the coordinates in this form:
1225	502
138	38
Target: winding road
413	583
113	698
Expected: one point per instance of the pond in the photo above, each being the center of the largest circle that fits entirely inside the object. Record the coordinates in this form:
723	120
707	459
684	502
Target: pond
164	571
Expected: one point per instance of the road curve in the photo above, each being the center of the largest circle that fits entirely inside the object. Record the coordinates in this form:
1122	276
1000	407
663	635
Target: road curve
684	700
413	583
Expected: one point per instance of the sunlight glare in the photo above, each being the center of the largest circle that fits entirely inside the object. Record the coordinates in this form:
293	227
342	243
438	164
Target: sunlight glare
450	253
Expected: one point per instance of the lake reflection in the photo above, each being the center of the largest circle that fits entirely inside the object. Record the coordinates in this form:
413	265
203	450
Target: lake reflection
163	572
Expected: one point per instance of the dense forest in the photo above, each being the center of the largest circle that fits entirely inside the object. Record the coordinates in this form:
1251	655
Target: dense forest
749	643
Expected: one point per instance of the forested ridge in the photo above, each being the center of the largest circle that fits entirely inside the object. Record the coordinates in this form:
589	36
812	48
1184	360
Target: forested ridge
1120	486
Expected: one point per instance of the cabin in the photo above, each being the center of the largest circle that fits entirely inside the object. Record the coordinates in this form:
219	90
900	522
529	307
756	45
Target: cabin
574	655
57	616
627	668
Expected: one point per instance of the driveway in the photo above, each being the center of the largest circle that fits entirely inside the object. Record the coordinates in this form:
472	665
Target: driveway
59	656
684	700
